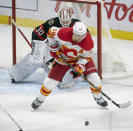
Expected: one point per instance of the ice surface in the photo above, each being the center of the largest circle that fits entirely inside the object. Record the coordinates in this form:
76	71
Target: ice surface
63	110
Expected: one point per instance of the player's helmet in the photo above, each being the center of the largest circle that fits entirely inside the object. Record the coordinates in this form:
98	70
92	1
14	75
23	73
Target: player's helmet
79	28
79	31
65	17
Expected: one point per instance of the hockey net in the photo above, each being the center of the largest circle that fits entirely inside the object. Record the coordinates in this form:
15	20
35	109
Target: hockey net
91	12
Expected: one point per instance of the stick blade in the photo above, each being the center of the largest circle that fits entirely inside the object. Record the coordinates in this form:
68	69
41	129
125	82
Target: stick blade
125	105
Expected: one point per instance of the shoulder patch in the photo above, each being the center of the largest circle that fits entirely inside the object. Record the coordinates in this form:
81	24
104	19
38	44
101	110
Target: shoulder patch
51	21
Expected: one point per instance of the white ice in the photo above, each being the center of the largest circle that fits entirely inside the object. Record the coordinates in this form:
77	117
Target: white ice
63	110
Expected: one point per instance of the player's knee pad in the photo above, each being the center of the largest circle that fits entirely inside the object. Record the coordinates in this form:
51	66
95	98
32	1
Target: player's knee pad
48	86
95	79
23	69
50	83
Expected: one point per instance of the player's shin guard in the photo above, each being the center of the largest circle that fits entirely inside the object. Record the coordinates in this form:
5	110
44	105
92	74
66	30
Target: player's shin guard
95	79
98	97
45	90
40	99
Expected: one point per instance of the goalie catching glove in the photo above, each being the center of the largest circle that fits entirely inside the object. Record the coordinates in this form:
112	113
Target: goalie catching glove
78	70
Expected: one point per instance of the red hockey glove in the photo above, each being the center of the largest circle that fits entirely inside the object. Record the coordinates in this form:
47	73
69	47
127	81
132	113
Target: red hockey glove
75	74
78	69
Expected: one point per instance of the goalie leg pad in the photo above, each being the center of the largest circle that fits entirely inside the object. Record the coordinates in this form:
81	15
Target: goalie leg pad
67	81
23	69
39	49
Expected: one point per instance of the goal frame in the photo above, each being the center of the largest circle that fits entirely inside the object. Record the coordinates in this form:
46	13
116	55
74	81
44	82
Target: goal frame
99	30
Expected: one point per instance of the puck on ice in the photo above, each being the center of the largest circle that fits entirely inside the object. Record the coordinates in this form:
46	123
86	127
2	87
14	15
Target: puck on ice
86	123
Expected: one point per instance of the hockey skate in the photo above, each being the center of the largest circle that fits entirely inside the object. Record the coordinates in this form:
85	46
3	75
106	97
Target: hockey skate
100	101
36	104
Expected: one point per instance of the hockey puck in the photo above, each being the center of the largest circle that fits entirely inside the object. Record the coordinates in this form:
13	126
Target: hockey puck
86	123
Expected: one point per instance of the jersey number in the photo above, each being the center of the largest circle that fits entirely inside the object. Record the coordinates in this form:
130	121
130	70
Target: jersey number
40	31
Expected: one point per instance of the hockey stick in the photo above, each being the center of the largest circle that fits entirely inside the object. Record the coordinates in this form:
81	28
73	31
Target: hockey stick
123	105
20	129
21	33
45	65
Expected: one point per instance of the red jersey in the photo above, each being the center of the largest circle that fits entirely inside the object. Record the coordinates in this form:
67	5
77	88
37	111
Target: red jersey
73	51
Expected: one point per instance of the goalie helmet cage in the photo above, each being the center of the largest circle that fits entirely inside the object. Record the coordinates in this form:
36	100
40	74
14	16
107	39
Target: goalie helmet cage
106	57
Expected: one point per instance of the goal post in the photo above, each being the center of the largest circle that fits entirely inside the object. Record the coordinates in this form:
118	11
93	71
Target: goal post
14	32
91	12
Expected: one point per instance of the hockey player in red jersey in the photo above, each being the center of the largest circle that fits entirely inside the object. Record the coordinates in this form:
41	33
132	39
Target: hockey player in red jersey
40	48
71	45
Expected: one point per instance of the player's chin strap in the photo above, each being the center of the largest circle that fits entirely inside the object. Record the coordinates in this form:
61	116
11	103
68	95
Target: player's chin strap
123	105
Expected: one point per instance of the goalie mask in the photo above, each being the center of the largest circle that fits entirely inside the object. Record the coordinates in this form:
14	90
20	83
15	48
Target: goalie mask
79	31
65	17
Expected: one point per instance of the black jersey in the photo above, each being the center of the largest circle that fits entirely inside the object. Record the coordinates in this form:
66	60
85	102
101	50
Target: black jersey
40	32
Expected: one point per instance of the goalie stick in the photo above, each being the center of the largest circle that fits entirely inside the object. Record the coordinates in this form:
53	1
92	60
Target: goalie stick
123	105
14	23
45	65
20	129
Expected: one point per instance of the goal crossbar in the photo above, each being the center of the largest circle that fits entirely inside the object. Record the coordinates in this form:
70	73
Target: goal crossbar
82	1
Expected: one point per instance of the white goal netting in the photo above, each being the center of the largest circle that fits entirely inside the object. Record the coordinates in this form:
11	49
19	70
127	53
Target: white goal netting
28	16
